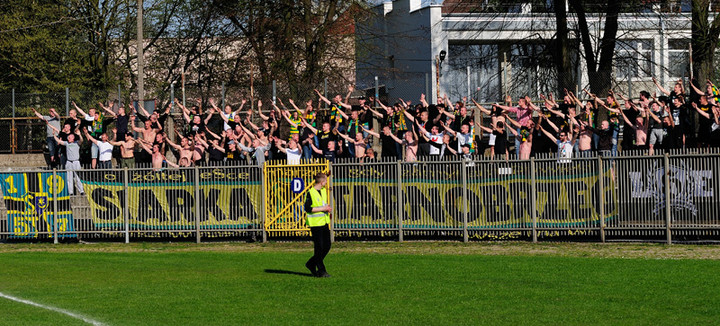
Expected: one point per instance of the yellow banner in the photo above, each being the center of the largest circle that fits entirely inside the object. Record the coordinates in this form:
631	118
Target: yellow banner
167	199
431	199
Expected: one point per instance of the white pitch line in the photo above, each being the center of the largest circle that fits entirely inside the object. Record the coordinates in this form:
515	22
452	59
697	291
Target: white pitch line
62	311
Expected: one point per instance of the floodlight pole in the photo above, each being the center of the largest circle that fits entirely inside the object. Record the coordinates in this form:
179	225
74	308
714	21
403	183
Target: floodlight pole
140	56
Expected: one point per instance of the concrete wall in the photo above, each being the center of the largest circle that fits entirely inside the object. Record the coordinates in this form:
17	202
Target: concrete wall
21	160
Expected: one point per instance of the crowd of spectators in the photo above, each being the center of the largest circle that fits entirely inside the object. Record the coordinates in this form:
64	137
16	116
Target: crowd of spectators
357	127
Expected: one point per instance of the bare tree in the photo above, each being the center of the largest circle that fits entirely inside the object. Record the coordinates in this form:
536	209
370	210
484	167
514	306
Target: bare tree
294	40
705	37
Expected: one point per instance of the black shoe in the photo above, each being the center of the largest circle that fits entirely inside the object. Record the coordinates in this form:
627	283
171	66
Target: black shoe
323	274
311	268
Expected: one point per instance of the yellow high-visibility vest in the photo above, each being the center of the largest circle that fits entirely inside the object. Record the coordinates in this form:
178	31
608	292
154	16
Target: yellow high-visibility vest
319	199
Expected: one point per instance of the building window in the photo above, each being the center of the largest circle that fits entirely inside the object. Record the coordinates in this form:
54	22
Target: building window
476	63
634	59
678	54
532	70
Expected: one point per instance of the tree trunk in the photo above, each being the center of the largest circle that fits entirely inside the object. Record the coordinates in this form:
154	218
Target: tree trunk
704	41
600	67
561	56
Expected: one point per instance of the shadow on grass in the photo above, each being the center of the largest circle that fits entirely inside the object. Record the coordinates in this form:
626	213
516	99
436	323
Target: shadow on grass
281	271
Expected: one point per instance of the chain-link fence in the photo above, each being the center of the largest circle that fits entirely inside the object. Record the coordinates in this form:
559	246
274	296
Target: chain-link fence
26	133
20	105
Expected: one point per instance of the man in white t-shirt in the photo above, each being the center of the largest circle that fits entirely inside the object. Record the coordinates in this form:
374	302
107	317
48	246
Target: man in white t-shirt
104	150
435	137
565	144
229	116
293	152
464	137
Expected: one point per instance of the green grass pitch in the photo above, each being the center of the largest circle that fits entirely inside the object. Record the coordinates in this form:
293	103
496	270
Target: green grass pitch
241	284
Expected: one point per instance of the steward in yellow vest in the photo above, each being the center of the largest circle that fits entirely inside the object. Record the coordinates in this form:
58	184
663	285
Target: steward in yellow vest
318	219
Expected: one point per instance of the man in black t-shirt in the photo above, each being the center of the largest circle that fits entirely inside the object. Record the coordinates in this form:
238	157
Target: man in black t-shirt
326	135
329	153
121	121
388	144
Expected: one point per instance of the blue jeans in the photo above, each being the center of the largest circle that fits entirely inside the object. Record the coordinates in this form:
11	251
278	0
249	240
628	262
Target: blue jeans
52	146
596	140
341	128
307	152
350	148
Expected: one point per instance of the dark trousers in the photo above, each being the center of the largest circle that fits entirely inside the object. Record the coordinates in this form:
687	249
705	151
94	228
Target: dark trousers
321	239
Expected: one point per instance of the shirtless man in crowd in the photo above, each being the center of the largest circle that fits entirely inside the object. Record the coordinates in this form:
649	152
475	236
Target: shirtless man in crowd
199	149
359	142
410	141
584	138
127	148
185	150
640	125
157	157
148	133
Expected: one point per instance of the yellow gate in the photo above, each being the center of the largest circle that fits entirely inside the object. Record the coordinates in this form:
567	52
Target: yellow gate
284	206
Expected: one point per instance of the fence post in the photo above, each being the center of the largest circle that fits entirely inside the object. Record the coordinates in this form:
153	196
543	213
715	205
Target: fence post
601	183
468	83
55	208
629	78
13	135
377	89
264	208
427	84
126	204
325	93
182	88
197	204
533	199
67	101
465	201
274	85
505	87
667	198
332	204
171	121
222	102
376	126
399	201
13	131
579	74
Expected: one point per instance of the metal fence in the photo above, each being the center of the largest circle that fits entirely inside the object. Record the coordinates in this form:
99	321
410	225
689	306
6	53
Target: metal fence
666	198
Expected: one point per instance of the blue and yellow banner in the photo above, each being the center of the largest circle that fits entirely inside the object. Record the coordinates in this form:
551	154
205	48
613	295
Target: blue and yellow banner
30	207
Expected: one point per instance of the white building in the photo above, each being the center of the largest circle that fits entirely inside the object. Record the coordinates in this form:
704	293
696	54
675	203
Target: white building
491	51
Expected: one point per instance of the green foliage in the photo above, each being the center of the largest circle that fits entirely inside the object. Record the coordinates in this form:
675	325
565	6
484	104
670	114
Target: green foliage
42	48
46	46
